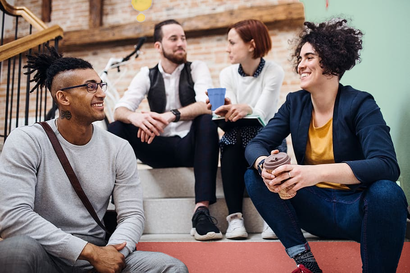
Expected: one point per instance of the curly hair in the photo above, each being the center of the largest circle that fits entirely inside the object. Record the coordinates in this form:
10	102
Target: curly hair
337	45
47	66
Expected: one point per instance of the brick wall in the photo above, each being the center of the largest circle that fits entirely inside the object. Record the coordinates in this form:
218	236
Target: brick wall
211	49
73	14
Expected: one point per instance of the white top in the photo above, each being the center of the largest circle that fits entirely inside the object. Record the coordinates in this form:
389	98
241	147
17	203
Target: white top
260	93
140	86
37	199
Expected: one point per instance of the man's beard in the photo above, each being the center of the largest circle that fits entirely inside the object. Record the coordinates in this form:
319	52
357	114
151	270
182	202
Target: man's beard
174	58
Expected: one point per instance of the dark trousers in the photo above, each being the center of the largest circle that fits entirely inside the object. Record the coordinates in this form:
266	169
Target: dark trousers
233	168
198	149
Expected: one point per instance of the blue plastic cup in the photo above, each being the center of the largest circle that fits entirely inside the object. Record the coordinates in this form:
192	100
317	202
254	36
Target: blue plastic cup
216	97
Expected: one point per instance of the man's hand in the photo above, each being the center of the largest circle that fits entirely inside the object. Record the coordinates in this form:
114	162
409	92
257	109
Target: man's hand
105	259
151	123
149	135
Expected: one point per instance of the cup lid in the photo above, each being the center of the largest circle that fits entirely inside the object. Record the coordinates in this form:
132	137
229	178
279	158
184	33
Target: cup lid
276	160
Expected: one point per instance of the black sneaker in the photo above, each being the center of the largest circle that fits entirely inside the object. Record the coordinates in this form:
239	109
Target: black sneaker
203	226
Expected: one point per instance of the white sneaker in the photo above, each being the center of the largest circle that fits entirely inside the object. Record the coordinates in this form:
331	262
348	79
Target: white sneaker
308	235
236	228
267	232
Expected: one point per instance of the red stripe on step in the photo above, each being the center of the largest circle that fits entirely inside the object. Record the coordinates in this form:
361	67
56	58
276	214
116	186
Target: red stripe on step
261	257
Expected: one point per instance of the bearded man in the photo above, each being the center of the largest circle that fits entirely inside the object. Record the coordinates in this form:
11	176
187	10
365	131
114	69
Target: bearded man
178	130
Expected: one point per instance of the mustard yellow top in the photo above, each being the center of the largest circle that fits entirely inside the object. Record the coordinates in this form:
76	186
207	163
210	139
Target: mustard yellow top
319	150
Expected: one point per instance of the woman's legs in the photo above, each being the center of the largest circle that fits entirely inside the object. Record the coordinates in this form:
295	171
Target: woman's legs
279	214
384	226
282	218
375	217
233	167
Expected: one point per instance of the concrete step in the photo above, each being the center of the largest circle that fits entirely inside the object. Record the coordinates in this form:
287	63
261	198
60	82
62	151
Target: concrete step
253	237
173	215
169	202
172	183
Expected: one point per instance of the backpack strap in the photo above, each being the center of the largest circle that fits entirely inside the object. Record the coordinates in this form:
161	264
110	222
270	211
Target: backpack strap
70	173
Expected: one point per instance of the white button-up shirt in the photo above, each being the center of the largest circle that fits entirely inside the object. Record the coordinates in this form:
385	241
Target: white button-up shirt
140	85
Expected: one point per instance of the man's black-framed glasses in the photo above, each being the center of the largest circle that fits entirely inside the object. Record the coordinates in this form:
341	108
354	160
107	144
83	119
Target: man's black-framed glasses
92	87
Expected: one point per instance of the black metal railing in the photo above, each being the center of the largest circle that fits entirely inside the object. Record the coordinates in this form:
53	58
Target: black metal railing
17	105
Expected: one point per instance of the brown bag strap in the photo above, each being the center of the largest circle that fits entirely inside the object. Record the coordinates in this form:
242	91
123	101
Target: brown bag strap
70	173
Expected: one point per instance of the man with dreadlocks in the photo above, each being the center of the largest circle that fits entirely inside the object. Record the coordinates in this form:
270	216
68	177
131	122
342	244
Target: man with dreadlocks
45	225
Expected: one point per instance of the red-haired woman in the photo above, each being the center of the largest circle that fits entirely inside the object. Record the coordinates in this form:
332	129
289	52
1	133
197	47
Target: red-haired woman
252	87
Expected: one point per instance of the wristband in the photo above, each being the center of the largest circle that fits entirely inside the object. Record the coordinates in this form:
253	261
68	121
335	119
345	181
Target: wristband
260	166
177	114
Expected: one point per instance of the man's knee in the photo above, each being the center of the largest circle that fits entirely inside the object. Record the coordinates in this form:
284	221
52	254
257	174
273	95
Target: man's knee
117	128
173	265
147	261
20	252
204	118
19	244
204	123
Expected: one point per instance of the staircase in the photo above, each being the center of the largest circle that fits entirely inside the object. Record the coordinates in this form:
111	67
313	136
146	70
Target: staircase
22	34
169	205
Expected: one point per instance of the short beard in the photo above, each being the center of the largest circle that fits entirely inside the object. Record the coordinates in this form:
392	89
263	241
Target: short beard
173	58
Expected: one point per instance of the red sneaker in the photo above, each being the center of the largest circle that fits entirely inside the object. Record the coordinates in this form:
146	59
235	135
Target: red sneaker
301	269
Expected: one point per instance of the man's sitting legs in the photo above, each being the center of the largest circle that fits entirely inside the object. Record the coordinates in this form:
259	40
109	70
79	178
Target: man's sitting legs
24	254
198	149
204	135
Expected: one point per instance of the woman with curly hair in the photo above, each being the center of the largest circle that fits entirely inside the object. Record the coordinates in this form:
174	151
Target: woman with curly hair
345	177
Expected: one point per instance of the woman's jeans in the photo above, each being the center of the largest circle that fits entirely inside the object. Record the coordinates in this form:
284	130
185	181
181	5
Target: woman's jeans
374	217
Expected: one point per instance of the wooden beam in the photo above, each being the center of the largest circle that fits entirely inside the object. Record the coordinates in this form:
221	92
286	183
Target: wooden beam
46	10
274	16
26	14
23	44
96	13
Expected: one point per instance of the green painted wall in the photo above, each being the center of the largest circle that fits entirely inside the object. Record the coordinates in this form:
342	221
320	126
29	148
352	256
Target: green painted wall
384	67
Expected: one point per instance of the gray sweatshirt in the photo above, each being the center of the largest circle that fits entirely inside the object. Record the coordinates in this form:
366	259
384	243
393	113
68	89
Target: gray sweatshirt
37	199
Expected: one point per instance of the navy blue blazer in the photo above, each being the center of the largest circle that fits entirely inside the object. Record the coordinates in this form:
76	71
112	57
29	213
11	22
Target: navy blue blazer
361	137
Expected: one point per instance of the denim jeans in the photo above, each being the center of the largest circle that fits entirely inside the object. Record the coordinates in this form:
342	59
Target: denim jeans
374	217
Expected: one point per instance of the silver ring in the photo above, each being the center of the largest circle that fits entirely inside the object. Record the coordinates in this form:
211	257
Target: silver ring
289	175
